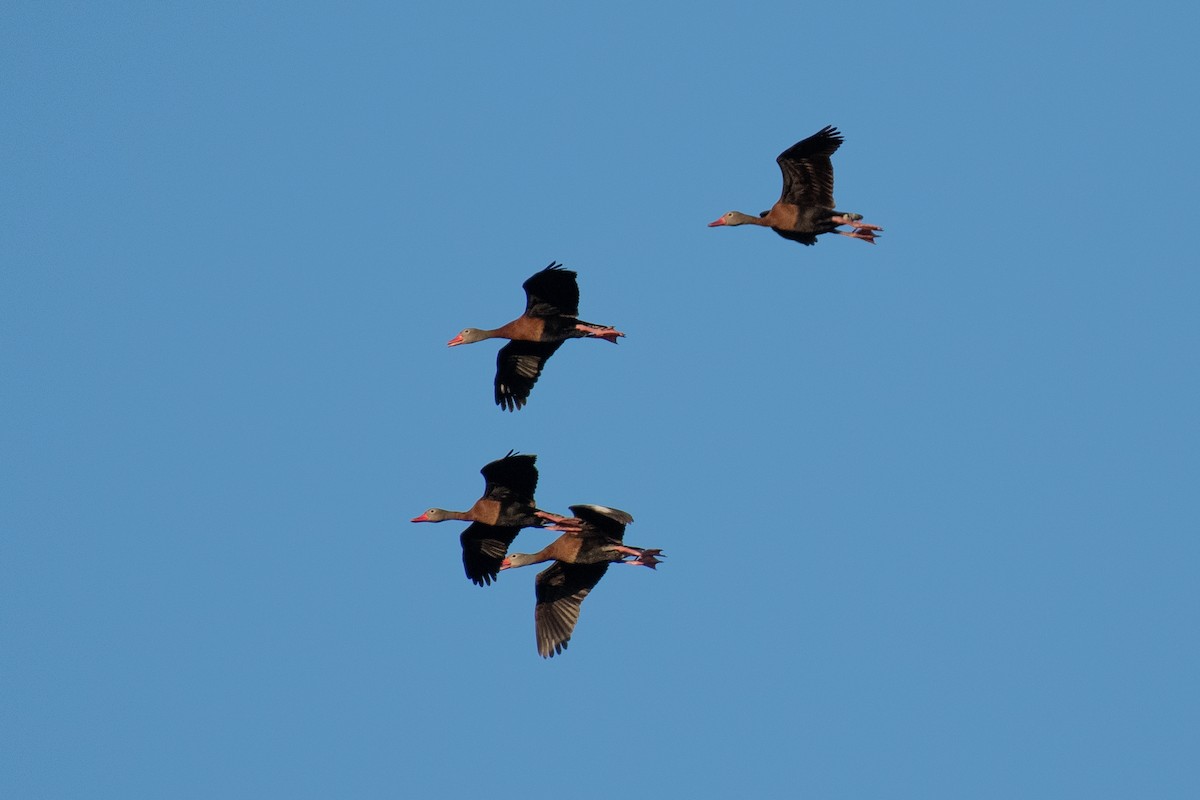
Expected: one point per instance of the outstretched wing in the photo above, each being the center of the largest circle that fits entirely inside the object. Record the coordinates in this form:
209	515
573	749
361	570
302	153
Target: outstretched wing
484	548
560	591
518	366
513	477
807	170
552	292
602	521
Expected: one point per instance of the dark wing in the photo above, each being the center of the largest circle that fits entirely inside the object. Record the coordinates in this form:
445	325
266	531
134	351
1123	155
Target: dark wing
807	170
602	521
795	236
560	591
518	365
552	292
513	477
484	547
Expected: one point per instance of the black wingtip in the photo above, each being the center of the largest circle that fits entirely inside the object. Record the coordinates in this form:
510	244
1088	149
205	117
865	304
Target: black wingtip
510	403
831	132
481	580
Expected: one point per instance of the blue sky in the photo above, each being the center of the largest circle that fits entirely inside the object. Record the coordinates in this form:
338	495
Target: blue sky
929	506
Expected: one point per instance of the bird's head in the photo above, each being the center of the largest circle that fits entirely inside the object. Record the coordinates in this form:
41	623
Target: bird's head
731	218
516	560
468	336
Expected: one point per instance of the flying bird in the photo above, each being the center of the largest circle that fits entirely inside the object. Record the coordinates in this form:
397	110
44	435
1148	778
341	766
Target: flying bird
496	518
806	209
550	318
592	540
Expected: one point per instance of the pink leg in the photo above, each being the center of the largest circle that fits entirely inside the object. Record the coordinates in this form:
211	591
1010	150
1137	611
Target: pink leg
607	334
560	523
555	518
866	236
853	221
646	558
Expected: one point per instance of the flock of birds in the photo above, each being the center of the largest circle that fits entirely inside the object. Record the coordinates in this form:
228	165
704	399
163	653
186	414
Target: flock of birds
593	537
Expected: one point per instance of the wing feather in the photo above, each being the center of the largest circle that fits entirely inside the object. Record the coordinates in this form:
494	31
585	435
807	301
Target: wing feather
602	521
484	547
518	366
513	477
560	590
807	170
552	292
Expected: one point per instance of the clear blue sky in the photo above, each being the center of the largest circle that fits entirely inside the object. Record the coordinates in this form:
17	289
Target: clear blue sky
930	506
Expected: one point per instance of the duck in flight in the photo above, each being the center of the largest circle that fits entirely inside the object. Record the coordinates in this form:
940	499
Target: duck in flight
496	518
550	318
806	209
592	539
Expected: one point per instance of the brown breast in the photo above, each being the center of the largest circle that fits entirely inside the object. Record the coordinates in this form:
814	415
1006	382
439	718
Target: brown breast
523	329
783	215
485	511
566	547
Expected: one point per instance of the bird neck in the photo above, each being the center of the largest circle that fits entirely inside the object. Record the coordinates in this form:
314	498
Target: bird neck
738	218
525	559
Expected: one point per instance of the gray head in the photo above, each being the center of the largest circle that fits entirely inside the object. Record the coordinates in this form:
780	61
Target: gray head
433	515
733	218
519	560
469	336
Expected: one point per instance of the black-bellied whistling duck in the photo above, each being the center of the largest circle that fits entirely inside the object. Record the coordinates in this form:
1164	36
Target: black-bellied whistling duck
805	209
551	306
497	517
581	556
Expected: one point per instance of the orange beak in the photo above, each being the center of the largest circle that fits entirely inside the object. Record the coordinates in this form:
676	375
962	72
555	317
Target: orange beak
454	341
721	221
422	518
